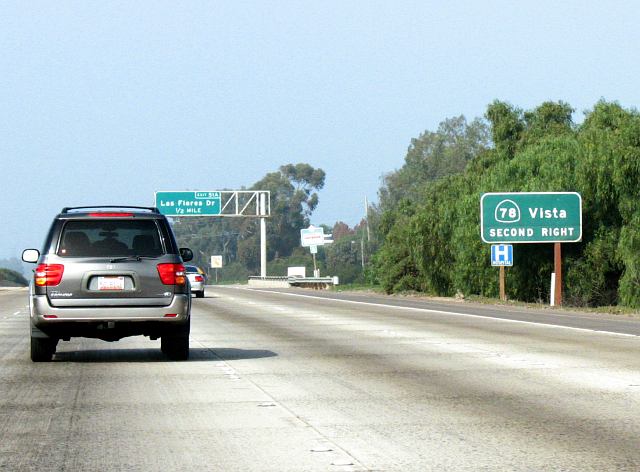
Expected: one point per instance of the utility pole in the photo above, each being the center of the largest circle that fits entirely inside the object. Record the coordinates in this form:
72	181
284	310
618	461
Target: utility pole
366	218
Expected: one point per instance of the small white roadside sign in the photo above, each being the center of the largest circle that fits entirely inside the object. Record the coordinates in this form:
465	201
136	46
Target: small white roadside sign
216	262
312	236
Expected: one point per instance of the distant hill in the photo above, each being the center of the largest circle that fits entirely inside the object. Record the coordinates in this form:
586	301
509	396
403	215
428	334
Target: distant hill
11	278
18	266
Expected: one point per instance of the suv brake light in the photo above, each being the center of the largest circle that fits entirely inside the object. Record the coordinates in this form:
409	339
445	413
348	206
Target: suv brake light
199	278
172	274
109	215
49	274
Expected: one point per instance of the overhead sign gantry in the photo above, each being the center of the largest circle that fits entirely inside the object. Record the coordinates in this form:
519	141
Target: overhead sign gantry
226	203
215	203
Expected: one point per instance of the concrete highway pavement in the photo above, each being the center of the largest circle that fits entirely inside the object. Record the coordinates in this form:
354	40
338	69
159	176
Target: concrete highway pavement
623	324
282	382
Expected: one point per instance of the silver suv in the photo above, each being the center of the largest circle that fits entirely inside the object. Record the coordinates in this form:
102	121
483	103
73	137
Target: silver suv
108	273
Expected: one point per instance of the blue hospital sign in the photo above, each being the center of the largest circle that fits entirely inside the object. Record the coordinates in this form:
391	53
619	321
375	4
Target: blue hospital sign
501	255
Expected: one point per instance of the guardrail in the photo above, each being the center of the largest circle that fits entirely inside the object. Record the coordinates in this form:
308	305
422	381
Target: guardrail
318	283
269	282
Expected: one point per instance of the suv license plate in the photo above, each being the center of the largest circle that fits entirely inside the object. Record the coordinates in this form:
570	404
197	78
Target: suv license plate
110	283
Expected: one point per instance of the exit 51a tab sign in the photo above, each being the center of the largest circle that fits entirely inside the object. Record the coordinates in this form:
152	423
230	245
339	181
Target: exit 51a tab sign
531	217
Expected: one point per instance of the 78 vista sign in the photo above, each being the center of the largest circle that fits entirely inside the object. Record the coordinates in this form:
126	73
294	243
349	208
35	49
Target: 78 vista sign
531	217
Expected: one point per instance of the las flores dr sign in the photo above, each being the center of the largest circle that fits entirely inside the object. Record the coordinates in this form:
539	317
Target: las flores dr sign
531	217
189	203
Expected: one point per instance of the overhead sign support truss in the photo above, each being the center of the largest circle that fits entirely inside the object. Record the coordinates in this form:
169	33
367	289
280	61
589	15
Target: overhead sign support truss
245	203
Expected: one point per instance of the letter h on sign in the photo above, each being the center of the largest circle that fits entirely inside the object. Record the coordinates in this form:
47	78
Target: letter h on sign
501	255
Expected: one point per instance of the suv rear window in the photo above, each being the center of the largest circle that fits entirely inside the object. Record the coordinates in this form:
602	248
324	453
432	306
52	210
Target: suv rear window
106	238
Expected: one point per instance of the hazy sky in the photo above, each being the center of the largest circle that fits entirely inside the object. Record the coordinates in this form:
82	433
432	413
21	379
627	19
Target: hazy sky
107	102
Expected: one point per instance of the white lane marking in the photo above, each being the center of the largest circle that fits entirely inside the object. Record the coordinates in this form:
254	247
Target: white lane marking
454	313
16	313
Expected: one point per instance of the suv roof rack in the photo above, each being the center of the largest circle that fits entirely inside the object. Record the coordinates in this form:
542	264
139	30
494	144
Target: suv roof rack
96	207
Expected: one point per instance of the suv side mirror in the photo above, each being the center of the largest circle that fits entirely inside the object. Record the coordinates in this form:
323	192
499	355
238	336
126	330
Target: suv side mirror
186	254
30	255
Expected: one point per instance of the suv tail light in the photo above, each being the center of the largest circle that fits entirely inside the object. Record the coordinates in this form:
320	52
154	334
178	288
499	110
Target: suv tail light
49	275
172	274
199	278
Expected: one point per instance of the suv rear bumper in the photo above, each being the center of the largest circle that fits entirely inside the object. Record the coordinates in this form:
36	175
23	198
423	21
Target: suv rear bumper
180	307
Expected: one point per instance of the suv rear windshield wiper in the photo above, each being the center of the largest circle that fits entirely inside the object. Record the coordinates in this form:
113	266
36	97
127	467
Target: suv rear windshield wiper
132	258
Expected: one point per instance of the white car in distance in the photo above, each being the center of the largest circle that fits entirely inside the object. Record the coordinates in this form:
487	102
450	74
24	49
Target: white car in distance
197	280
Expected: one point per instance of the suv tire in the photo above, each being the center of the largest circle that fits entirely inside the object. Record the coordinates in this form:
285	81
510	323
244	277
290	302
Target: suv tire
42	349
175	347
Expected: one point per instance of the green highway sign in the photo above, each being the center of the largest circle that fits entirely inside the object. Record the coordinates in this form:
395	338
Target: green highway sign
531	217
189	203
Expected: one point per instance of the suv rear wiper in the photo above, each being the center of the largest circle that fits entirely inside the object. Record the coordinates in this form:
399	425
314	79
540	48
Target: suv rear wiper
132	258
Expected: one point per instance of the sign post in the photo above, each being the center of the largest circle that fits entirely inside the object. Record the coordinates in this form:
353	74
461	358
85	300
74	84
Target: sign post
557	267
502	256
314	251
262	210
533	217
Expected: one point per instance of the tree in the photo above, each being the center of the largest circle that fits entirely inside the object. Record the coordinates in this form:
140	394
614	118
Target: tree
549	119
340	230
432	243
432	156
12	278
292	202
305	179
506	127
